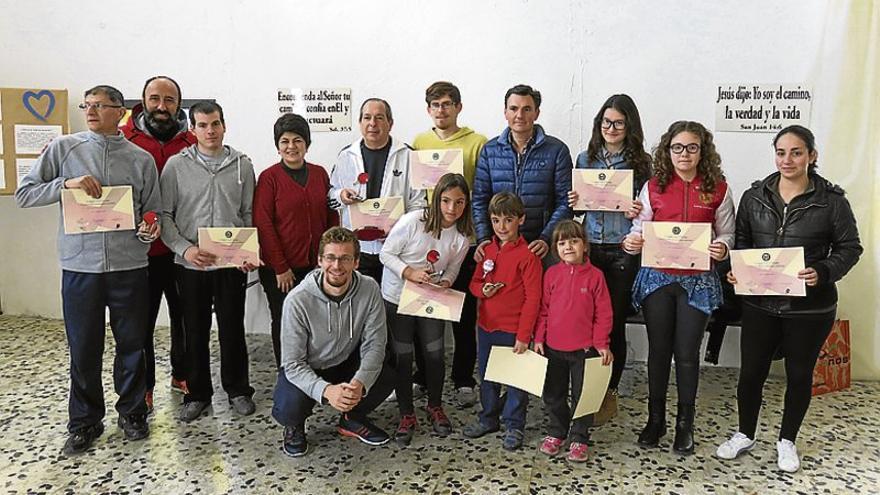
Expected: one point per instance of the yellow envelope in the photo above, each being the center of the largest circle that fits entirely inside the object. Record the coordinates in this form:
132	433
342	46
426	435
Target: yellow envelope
681	245
602	189
430	301
768	272
525	371
596	379
379	213
233	246
427	166
83	214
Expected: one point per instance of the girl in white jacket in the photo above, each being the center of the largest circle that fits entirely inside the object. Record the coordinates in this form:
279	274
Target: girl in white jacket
425	246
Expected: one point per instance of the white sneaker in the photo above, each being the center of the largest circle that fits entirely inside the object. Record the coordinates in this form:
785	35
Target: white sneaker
732	448
392	397
788	459
465	396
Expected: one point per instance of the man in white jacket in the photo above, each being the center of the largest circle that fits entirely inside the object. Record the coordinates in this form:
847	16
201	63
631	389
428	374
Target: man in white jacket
385	161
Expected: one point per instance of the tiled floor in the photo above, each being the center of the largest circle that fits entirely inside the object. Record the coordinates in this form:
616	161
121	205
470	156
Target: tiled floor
223	453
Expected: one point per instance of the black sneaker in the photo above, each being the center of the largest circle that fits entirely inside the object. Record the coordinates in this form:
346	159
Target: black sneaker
364	430
192	410
134	426
294	443
81	440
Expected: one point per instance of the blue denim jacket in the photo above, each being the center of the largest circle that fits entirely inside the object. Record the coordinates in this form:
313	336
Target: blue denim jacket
607	227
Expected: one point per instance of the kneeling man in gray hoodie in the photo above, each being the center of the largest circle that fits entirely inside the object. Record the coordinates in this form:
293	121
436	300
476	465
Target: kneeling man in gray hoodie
333	339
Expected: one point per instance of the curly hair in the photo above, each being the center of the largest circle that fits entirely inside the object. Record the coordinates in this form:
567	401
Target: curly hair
709	166
633	142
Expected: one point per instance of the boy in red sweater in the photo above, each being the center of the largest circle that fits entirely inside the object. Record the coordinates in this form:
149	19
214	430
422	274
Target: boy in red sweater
507	285
574	323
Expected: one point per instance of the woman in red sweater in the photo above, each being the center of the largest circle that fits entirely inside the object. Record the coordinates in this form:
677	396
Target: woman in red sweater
290	213
574	324
689	187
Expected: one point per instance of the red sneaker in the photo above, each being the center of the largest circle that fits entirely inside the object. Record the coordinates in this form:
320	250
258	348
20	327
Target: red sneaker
578	452
439	421
405	430
179	386
551	445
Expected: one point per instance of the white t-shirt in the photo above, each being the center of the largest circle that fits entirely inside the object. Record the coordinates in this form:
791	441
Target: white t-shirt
408	245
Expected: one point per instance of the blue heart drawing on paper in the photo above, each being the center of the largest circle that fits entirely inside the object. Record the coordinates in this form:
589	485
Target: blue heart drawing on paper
28	96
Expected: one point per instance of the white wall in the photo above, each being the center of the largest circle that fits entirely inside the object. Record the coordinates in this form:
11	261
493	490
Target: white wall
667	55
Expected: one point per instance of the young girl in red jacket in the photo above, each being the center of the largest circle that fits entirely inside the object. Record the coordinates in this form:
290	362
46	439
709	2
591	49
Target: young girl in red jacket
574	324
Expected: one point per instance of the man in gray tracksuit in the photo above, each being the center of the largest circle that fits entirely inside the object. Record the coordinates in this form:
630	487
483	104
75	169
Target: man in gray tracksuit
333	338
209	184
100	269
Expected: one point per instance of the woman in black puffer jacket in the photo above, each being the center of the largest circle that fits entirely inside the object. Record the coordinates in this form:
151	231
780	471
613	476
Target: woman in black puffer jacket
794	207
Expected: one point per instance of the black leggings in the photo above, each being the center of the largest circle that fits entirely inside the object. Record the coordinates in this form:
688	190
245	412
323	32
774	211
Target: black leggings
801	339
402	330
674	329
620	271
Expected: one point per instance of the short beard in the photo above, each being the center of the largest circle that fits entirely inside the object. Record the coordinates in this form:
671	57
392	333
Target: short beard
163	130
339	286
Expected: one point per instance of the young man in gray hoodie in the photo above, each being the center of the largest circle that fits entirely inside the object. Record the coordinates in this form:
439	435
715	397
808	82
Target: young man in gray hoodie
209	184
333	338
100	269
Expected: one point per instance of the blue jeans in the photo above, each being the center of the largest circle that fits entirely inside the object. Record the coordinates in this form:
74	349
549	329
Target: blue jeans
84	297
513	409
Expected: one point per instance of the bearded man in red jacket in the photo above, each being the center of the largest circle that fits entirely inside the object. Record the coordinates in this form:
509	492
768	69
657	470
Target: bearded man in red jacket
159	126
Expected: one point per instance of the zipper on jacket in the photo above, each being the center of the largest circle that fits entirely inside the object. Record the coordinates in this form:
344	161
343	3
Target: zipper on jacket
687	196
107	180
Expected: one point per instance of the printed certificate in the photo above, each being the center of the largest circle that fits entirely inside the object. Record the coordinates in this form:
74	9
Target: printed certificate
526	371
233	246
680	245
601	189
430	301
596	379
427	166
768	272
83	214
376	213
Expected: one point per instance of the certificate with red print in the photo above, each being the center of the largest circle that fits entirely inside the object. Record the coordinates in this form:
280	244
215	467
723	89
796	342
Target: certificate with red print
600	189
427	166
679	245
233	246
430	301
83	214
768	272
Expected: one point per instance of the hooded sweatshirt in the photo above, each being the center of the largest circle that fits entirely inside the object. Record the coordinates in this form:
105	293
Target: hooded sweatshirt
135	130
113	161
196	195
465	138
318	333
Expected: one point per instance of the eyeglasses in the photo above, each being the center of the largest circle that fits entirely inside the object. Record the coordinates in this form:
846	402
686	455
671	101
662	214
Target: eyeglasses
345	259
445	105
618	124
678	148
96	106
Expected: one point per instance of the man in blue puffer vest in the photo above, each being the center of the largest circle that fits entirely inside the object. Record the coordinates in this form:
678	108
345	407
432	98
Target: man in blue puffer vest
529	163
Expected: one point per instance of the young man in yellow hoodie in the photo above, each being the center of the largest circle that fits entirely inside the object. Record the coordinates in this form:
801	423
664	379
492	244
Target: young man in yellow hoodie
444	104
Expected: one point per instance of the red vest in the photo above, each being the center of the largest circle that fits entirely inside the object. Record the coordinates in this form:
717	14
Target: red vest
684	202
